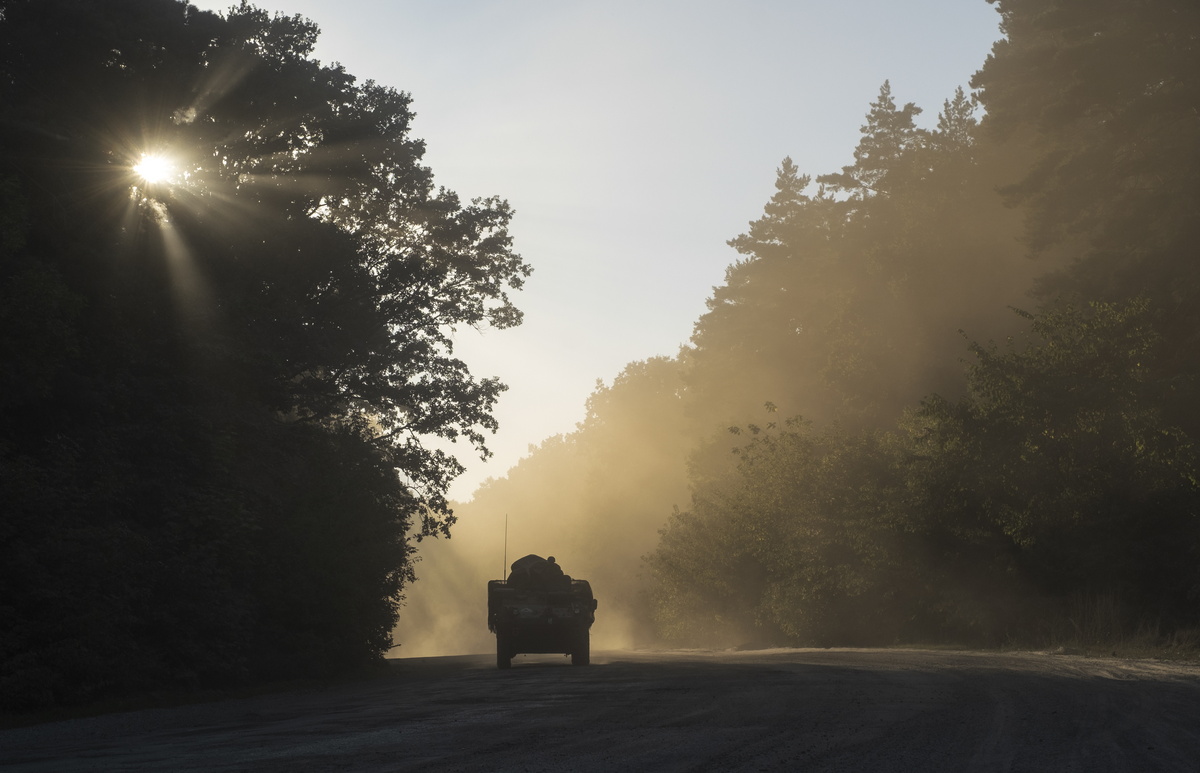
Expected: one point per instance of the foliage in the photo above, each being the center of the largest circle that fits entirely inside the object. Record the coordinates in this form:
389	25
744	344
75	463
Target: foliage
1062	472
1105	94
1055	478
1062	447
846	303
802	545
219	387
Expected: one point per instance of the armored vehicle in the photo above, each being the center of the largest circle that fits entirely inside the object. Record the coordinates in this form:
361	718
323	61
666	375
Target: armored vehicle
540	609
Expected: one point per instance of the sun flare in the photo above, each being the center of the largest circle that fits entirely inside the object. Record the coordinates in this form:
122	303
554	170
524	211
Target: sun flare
154	168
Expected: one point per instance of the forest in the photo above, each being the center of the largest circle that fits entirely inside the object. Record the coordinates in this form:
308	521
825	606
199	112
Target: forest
945	394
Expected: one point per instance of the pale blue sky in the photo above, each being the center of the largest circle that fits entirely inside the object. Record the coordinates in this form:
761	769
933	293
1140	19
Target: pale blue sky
633	138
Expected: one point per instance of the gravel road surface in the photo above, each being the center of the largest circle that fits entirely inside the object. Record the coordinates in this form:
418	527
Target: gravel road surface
766	710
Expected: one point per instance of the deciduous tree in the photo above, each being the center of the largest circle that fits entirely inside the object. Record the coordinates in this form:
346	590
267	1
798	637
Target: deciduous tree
217	444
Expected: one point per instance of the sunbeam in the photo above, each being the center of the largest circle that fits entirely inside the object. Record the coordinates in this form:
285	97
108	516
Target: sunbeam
193	299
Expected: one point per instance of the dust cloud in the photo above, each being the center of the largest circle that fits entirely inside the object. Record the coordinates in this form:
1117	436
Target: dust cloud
594	499
446	611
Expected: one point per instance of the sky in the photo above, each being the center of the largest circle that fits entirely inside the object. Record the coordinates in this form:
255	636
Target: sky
633	138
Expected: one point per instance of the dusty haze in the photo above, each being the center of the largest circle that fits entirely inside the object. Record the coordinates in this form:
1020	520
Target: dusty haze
594	499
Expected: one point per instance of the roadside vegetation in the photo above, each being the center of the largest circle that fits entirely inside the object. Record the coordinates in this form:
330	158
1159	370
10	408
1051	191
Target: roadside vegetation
947	393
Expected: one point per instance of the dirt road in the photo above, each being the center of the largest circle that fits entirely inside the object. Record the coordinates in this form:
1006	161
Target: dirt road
811	710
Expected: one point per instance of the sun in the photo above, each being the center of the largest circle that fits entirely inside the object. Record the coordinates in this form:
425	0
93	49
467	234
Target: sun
154	168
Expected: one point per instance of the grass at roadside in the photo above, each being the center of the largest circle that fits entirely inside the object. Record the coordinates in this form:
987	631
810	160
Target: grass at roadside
1179	646
1102	626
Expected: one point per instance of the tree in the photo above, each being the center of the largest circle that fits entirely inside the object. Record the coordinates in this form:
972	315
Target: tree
956	124
846	302
889	137
804	544
761	338
1104	94
218	451
1063	450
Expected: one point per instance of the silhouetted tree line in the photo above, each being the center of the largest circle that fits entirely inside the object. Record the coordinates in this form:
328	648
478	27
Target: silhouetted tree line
218	389
1064	468
977	347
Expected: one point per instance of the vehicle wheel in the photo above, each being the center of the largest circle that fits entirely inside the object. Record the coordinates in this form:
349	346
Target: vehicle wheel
503	655
582	654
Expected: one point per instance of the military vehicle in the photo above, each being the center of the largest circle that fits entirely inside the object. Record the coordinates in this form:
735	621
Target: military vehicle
538	609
